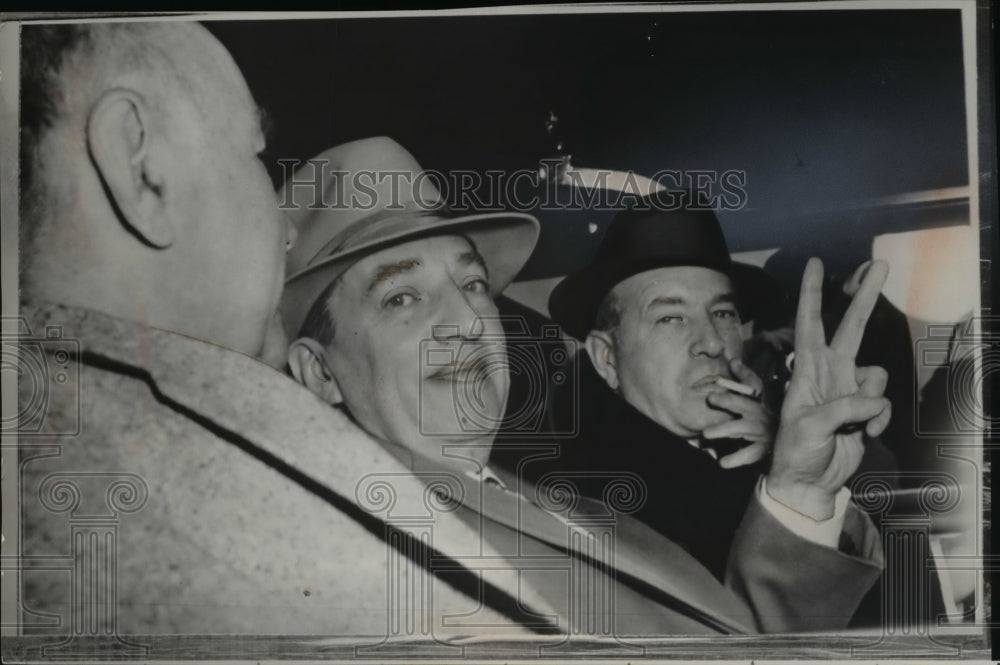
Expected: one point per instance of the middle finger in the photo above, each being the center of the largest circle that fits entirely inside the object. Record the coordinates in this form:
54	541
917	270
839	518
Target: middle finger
847	339
737	404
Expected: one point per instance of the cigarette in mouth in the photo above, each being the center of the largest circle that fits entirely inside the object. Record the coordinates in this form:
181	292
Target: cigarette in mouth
737	387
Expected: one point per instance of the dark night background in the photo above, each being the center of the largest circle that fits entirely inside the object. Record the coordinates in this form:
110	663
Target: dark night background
824	110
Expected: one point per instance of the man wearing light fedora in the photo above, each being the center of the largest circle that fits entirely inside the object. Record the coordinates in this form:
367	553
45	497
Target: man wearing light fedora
393	316
660	311
174	480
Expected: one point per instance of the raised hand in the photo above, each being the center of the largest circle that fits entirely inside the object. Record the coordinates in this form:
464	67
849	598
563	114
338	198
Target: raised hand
829	400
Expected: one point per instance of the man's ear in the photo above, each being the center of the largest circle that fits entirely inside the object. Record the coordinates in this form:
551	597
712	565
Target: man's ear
118	139
601	349
307	361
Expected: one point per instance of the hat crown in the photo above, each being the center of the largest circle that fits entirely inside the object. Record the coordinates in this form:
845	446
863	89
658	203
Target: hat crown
639	240
645	238
343	192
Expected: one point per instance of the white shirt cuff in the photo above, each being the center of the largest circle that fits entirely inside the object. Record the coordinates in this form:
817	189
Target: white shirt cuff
825	532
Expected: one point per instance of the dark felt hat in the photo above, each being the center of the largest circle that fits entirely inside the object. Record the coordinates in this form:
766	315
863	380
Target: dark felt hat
646	238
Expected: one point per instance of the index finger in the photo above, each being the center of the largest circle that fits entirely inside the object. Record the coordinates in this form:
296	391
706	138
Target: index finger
745	374
808	319
847	339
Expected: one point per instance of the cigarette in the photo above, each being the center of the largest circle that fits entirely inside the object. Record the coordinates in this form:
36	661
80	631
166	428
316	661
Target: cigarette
737	387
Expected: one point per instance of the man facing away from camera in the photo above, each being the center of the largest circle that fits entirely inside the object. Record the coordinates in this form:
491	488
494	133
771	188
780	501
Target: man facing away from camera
392	310
151	239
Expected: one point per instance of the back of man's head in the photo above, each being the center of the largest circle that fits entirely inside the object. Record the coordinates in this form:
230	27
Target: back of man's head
132	136
64	68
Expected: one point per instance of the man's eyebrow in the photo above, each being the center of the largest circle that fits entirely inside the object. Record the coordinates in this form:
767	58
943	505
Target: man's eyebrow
387	270
727	297
660	301
468	258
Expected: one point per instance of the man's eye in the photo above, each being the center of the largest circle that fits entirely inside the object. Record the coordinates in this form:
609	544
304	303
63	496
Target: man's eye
670	318
400	300
725	314
477	285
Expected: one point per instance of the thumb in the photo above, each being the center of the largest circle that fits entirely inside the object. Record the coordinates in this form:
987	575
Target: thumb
848	410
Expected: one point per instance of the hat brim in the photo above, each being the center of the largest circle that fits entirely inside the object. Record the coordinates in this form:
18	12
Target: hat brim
504	240
574	302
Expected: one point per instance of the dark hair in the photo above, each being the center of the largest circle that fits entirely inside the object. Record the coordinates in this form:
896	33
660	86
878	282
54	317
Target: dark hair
318	324
609	314
44	51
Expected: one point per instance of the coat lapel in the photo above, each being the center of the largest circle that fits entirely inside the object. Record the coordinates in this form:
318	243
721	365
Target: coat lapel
641	557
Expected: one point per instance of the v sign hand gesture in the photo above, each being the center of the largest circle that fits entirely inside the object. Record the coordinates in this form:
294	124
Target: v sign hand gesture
829	400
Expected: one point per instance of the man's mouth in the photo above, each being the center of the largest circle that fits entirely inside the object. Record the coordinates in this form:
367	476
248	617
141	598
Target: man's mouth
471	370
707	383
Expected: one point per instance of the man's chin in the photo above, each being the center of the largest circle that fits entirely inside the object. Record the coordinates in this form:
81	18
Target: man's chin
466	450
465	416
703	418
456	428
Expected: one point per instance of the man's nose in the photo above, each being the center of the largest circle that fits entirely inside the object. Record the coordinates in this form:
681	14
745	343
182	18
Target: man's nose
458	319
707	341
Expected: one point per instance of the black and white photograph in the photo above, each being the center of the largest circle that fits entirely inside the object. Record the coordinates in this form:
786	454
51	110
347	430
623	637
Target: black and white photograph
618	332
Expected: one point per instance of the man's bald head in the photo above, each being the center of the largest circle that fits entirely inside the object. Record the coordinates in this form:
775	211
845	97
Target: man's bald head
142	192
65	69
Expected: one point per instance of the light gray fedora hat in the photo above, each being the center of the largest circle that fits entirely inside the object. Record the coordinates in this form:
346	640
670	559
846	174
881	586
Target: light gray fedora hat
362	210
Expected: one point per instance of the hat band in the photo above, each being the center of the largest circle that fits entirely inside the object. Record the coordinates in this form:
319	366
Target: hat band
340	241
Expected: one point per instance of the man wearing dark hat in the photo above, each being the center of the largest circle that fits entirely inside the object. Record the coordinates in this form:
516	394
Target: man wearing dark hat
660	311
393	315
